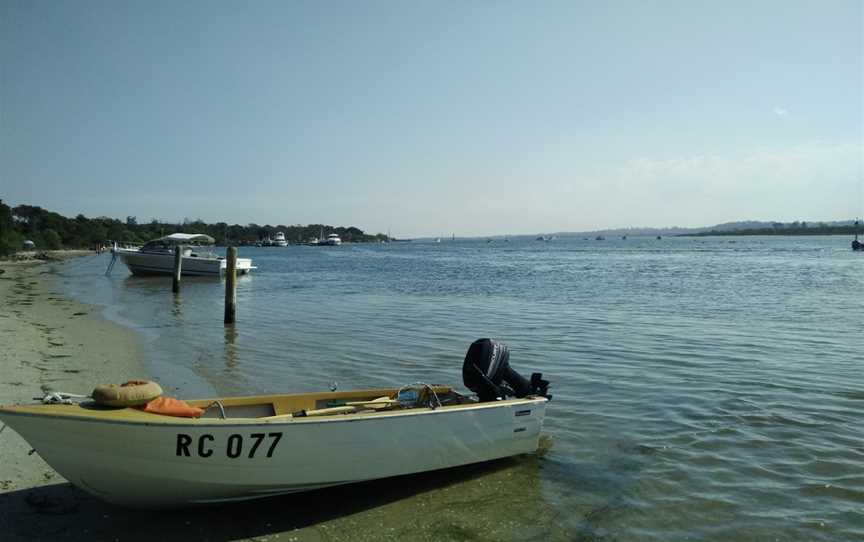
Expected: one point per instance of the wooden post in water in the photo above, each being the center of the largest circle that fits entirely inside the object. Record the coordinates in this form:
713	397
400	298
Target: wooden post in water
231	286
178	263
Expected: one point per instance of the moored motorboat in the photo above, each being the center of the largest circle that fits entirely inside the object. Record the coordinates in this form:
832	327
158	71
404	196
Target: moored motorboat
156	257
251	447
279	240
332	240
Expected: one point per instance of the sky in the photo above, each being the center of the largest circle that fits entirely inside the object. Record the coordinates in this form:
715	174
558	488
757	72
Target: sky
428	118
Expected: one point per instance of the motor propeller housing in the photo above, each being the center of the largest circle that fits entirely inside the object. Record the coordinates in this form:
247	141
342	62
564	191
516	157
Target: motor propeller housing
487	372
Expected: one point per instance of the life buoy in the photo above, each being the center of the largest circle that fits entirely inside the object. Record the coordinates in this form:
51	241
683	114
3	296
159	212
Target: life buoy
132	393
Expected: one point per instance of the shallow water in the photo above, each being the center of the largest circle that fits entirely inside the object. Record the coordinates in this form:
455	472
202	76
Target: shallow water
704	389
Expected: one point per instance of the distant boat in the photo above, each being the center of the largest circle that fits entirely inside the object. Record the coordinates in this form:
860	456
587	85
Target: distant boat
624	237
659	237
279	241
332	240
329	241
156	257
599	238
857	245
437	239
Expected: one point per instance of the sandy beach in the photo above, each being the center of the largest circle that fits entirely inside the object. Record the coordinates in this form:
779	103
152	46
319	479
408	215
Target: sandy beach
50	343
53	343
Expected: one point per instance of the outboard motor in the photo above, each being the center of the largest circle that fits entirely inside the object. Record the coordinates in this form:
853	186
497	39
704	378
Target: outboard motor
487	372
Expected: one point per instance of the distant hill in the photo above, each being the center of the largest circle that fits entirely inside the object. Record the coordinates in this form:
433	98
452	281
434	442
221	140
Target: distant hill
724	228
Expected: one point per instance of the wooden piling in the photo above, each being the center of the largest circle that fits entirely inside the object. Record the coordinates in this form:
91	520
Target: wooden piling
178	264
231	286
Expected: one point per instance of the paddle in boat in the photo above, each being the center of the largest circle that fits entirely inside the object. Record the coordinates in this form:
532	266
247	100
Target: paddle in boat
132	446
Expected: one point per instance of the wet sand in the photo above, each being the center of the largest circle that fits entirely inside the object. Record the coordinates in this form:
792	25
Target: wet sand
53	343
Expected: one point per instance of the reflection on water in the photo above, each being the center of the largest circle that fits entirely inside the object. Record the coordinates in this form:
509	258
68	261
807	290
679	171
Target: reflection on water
704	388
230	347
177	311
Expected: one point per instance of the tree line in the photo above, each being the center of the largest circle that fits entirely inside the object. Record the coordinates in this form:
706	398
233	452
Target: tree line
779	228
51	231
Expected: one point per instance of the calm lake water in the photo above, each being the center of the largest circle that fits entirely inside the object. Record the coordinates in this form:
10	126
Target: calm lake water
704	388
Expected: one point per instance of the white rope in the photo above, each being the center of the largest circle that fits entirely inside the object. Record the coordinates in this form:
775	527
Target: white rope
60	398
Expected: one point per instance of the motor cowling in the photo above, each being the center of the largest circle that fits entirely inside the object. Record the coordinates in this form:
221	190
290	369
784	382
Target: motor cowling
487	372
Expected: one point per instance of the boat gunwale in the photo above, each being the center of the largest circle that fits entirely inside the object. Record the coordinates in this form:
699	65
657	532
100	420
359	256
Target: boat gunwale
271	421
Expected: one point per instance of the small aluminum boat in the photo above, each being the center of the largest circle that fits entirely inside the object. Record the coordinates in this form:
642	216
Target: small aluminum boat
251	447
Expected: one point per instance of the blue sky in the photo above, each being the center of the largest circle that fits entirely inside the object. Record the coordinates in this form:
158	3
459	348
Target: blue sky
435	117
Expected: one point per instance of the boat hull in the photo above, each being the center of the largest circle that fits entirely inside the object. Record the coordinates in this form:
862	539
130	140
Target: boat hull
173	464
146	264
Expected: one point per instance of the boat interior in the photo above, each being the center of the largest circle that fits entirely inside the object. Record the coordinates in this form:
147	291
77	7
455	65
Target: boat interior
331	403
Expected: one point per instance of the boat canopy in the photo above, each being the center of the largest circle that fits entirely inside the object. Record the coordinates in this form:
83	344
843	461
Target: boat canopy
184	238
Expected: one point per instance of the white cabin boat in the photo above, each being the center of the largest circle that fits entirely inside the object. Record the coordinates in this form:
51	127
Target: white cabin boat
250	447
331	240
279	240
156	257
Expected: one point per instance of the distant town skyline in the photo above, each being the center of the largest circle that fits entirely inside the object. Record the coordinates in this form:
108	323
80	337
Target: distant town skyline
425	119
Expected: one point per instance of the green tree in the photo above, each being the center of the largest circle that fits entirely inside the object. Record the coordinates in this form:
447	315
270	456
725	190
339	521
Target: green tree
51	239
10	239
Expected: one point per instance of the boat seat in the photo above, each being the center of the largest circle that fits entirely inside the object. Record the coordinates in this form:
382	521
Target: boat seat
241	411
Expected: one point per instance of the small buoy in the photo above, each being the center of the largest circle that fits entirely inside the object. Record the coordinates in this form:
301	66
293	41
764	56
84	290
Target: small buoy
132	393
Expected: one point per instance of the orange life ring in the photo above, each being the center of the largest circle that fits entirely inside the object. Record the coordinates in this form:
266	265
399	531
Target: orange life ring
132	393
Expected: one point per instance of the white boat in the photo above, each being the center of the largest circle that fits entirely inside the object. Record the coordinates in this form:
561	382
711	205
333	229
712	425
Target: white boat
279	240
331	240
251	447
156	257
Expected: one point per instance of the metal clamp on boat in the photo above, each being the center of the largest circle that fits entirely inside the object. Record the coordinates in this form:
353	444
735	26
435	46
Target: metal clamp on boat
487	372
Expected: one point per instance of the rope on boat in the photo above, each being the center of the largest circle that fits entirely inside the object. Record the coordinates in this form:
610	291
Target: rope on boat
422	385
221	408
60	398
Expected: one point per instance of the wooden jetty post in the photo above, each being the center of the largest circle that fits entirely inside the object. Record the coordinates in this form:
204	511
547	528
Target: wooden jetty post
231	286
178	263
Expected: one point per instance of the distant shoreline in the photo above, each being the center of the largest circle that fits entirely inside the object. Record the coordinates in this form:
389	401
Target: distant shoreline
788	232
